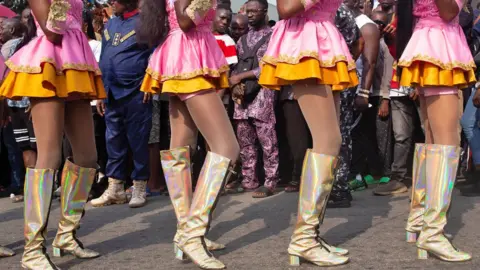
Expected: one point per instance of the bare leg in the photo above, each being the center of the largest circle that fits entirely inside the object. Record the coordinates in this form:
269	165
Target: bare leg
426	122
209	115
183	129
48	117
443	117
320	107
29	158
80	134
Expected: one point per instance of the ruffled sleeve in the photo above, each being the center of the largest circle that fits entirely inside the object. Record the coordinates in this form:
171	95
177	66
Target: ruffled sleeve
57	17
198	9
307	4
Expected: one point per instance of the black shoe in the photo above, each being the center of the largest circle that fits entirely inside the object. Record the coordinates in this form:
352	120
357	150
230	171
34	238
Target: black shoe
340	199
390	188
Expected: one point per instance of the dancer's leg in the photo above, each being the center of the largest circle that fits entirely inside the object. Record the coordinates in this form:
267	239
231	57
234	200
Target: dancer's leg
320	109
48	119
441	168
77	178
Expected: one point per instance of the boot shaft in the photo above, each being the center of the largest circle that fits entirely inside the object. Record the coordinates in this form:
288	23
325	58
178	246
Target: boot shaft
417	203
176	165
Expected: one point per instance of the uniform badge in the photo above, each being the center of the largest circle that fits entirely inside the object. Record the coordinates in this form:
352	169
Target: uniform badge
116	39
106	35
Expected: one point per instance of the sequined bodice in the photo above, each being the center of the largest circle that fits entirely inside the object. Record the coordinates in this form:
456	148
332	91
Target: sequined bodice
172	16
74	18
323	9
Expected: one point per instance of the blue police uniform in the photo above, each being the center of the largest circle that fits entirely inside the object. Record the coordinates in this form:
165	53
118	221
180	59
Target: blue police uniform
128	120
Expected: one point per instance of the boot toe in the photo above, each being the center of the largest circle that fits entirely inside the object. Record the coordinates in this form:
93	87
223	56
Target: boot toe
213	245
6	252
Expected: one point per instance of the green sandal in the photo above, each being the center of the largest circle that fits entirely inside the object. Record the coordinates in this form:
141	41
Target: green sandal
357	184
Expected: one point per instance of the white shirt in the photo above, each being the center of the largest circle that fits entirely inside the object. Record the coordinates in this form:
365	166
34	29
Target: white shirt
96	47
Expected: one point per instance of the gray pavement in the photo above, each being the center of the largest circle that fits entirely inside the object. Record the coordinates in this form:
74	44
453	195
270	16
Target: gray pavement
256	232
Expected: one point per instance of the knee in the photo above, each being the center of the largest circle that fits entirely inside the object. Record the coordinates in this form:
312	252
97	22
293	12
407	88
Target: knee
86	158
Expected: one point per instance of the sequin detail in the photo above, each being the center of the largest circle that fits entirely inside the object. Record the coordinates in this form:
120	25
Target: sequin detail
58	13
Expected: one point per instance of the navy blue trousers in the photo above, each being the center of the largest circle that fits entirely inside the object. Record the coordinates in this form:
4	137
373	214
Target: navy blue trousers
128	123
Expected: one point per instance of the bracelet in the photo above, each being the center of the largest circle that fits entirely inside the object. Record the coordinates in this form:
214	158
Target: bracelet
363	93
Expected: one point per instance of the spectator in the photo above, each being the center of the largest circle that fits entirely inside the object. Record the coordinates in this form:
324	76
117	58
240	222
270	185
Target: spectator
254	109
239	26
128	111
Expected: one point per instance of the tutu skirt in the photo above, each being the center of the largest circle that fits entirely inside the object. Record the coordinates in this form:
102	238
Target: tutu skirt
41	70
437	55
186	63
304	48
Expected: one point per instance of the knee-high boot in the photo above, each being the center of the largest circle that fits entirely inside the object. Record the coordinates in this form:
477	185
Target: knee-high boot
38	198
417	204
176	165
213	176
441	170
315	187
76	185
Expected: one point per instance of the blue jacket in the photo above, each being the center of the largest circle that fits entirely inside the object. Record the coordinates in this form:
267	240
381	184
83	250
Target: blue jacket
123	61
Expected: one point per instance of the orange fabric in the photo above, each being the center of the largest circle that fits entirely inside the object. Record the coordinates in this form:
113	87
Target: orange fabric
188	86
339	77
425	74
71	84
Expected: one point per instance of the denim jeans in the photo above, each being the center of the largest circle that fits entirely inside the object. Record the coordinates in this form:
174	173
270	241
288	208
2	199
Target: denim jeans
471	127
15	157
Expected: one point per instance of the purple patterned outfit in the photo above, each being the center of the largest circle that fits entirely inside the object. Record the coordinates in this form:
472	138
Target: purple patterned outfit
257	121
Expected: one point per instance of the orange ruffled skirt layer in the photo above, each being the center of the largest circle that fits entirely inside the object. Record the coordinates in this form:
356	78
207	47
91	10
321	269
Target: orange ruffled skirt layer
72	84
280	74
426	74
184	86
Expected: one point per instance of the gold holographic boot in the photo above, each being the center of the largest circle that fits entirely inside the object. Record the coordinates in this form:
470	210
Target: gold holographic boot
212	179
315	187
6	252
76	185
38	198
176	167
417	203
441	170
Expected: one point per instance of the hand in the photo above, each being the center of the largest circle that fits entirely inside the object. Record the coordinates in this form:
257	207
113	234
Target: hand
361	103
384	109
53	37
101	107
476	99
237	93
147	97
414	94
390	29
234	80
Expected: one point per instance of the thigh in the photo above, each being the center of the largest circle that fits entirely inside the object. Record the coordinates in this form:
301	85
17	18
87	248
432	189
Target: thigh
424	119
209	115
320	107
48	116
443	118
80	132
182	127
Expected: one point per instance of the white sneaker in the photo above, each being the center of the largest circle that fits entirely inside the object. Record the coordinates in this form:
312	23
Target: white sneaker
139	194
114	194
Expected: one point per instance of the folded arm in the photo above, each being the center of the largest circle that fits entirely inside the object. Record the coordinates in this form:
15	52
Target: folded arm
191	12
289	8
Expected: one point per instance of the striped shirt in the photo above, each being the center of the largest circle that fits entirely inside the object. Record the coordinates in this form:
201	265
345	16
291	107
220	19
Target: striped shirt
227	45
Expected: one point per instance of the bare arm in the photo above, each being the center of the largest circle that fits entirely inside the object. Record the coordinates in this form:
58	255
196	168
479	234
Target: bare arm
371	36
191	12
289	8
40	8
449	9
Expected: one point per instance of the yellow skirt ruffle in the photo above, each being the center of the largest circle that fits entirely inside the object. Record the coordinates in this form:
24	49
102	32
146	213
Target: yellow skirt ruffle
339	77
72	84
187	86
425	74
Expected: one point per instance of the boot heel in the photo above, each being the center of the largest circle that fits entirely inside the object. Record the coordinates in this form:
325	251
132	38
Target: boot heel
411	237
58	252
179	255
294	260
422	254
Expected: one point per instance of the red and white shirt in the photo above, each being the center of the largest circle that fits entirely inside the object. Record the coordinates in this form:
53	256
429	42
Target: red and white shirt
227	45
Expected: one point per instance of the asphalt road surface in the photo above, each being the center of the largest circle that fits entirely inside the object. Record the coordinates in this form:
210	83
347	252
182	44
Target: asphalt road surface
256	233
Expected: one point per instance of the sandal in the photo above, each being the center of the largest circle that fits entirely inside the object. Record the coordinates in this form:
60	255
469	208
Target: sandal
293	186
234	188
262	192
